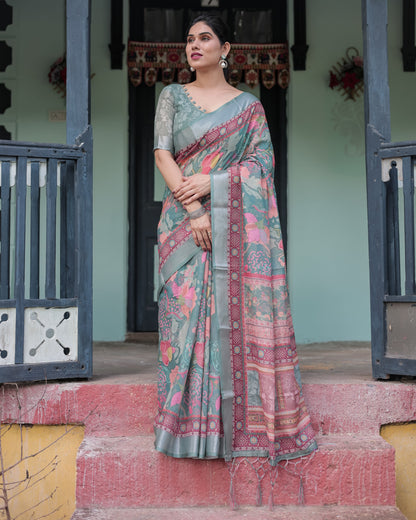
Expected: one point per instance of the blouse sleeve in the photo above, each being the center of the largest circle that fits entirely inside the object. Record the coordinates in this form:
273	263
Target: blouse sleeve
164	117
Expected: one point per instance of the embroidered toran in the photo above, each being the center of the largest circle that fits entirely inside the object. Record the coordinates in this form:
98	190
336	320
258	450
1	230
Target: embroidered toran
149	62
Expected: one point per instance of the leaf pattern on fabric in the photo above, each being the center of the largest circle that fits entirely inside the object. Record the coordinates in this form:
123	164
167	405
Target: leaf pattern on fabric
269	416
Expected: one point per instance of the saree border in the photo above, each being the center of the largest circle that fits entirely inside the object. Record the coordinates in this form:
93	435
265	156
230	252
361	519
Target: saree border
220	269
228	272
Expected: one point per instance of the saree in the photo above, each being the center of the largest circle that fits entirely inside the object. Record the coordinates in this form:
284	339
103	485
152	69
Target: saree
228	375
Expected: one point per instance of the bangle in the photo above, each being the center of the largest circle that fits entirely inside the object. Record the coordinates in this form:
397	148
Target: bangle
200	212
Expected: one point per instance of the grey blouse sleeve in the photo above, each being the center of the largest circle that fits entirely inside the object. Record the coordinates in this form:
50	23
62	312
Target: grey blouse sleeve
165	113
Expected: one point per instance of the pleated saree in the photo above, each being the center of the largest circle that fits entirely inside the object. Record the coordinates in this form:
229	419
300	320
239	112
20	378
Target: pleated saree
228	375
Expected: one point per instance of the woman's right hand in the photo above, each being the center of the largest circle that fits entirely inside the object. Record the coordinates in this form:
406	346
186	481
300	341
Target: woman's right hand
193	188
201	232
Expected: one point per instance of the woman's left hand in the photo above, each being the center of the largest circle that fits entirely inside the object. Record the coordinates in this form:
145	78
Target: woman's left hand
193	188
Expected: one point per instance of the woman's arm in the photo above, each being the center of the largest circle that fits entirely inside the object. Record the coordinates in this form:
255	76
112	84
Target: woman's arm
184	189
168	168
201	227
193	188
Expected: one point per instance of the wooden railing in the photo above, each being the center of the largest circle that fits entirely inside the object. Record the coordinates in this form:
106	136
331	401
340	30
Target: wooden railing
45	260
398	354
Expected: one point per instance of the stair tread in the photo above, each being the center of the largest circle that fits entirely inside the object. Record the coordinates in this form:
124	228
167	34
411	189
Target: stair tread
346	470
145	442
247	513
117	409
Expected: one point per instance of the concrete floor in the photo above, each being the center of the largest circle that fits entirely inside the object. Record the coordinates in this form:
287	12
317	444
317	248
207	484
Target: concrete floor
134	361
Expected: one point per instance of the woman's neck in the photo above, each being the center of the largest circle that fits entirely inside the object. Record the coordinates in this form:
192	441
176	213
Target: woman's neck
210	79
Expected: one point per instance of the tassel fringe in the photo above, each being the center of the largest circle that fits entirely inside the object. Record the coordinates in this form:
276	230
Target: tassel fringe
265	466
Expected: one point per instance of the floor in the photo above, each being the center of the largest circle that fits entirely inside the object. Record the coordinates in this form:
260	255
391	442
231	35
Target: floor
135	361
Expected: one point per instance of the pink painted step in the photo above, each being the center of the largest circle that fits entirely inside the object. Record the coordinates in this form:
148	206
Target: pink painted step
116	410
213	513
127	472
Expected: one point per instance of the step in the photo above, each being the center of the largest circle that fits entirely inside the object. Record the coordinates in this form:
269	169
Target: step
117	410
257	513
128	472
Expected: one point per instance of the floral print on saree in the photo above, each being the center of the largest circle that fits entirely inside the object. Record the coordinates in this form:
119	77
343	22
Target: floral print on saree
229	382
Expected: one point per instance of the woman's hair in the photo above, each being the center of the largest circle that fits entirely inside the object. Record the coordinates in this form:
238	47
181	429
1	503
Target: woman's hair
215	23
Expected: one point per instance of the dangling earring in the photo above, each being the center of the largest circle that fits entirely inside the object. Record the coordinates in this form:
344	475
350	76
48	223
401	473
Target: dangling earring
223	62
191	69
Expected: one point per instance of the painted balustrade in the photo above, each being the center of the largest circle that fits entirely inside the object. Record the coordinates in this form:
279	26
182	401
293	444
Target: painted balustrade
398	177
45	260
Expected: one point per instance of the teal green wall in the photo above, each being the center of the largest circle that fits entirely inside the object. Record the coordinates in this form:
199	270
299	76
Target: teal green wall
109	108
38	39
327	232
327	253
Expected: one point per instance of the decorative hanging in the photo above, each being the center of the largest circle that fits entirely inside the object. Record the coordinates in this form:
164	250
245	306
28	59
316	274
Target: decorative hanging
57	75
347	75
268	63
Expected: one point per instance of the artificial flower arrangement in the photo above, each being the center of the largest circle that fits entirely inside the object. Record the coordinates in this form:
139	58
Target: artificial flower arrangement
347	75
57	75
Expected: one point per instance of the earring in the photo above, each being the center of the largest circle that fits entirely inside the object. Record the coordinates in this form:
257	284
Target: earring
223	62
191	69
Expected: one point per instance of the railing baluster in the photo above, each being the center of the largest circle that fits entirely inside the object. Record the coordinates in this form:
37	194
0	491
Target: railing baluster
34	230
67	230
64	233
393	235
5	231
20	254
409	223
50	279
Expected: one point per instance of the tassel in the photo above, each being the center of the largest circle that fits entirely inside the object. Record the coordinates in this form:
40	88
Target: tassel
271	500
274	472
232	471
233	501
259	498
301	492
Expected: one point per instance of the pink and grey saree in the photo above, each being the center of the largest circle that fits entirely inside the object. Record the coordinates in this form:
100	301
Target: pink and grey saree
229	382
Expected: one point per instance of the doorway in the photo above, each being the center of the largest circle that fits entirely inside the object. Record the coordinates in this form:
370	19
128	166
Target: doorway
161	21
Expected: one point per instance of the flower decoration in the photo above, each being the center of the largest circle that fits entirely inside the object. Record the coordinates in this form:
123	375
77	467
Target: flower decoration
347	75
57	75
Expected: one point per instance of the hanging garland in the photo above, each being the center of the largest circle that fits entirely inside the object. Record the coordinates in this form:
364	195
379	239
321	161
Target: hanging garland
347	75
149	62
57	75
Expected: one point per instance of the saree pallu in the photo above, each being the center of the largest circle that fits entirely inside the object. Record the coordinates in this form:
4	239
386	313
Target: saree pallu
228	374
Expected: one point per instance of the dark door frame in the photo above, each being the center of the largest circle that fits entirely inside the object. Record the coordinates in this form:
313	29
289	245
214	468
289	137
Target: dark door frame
141	310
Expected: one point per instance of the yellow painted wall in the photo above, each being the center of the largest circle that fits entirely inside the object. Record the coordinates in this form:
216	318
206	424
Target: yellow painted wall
403	438
39	469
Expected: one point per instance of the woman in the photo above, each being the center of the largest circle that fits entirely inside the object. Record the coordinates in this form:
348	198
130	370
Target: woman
229	382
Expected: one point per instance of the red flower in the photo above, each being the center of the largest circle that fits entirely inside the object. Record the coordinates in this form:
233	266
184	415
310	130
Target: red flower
358	61
349	80
333	80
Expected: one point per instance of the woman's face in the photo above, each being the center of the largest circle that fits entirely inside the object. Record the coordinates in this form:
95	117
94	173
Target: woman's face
203	48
